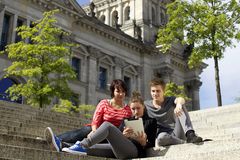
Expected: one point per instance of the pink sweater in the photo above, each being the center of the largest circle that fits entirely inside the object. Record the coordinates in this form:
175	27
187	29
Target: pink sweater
105	112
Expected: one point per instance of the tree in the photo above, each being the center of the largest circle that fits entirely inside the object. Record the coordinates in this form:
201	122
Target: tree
209	26
42	58
172	89
237	99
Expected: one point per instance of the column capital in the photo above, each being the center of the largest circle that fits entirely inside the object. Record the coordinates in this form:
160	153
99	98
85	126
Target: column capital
194	84
2	5
119	62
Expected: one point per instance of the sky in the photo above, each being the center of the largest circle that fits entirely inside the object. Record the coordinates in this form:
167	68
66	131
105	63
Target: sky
229	68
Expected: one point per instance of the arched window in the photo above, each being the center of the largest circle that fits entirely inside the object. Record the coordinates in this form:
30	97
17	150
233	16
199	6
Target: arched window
4	85
162	17
114	18
102	18
127	13
153	16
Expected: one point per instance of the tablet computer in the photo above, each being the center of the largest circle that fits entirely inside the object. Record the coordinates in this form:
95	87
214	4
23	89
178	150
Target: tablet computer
136	125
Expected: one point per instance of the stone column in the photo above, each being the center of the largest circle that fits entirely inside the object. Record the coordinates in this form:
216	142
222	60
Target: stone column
120	63
120	13
2	11
92	77
107	14
158	13
193	87
132	9
14	26
150	11
140	84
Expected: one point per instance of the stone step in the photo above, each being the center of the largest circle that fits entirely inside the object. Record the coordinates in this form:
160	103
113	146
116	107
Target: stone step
209	129
228	155
16	140
1	158
26	153
214	117
215	111
192	151
42	118
35	123
215	133
25	109
35	131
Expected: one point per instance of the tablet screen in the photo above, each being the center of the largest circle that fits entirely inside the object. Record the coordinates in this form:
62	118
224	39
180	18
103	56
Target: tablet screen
136	125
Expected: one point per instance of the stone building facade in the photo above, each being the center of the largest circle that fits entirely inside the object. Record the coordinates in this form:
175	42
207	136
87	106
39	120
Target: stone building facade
116	40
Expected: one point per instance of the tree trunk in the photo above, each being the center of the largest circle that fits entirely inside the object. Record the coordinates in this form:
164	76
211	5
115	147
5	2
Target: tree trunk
41	102
218	89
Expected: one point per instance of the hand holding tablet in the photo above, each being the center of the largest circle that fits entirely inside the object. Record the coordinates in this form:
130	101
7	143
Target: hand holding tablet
136	125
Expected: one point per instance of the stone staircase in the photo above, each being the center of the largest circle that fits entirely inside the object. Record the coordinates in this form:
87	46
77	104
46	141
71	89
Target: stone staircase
222	125
22	129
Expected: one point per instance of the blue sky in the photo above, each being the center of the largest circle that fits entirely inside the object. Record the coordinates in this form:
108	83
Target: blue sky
229	68
83	2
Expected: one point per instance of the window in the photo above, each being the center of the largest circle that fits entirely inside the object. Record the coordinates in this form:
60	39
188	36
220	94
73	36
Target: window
74	99
114	18
20	22
127	81
5	31
76	64
102	18
4	85
102	78
127	13
162	18
153	16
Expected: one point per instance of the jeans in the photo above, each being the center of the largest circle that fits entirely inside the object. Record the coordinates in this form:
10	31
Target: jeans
75	135
122	147
177	135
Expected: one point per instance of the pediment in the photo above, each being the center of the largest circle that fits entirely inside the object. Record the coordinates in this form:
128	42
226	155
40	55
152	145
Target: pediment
106	60
131	69
70	5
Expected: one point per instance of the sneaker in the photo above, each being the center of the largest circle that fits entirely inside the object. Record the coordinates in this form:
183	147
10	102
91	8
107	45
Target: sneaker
193	138
52	139
77	148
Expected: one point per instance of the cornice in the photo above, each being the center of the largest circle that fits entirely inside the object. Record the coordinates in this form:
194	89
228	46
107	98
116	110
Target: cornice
95	26
68	7
179	65
92	24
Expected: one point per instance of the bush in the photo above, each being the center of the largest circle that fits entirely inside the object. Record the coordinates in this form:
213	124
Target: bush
65	106
87	110
173	89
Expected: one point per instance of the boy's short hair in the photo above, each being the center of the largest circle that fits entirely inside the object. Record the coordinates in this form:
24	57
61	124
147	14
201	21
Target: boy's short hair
157	81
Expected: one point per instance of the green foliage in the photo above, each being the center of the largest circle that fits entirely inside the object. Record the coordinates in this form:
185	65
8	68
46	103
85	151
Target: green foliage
44	62
87	110
172	89
208	25
237	99
211	25
65	106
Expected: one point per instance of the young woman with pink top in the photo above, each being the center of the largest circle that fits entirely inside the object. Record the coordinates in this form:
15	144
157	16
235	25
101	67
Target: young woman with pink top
112	110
